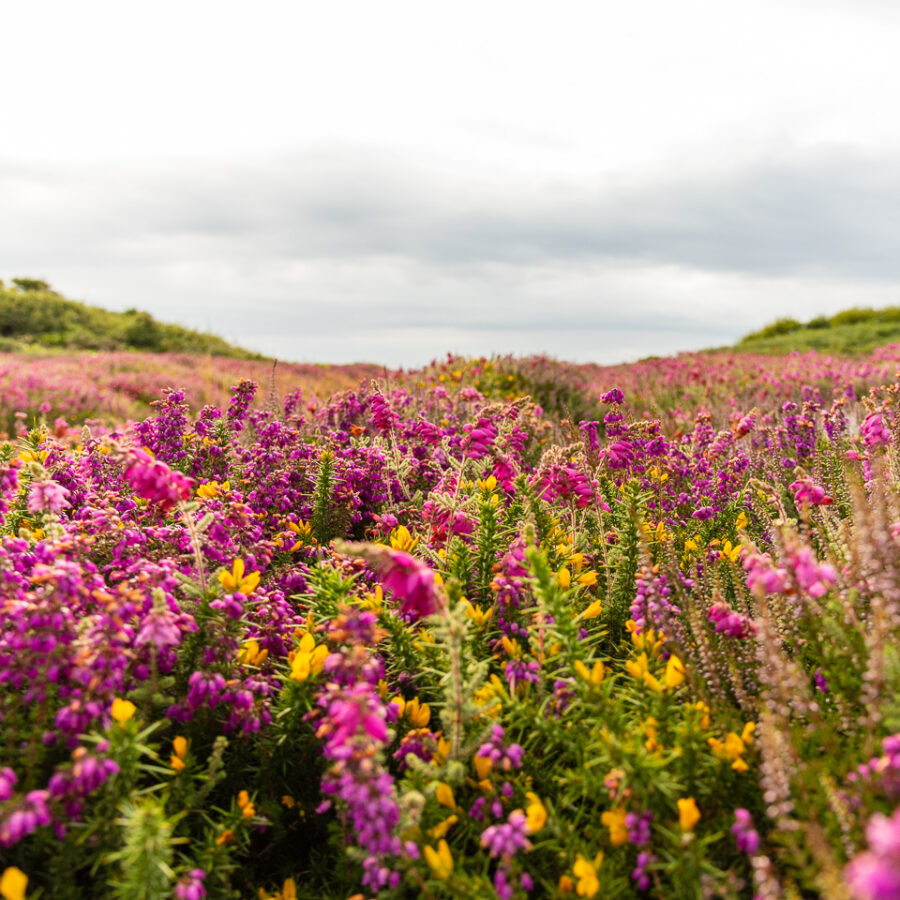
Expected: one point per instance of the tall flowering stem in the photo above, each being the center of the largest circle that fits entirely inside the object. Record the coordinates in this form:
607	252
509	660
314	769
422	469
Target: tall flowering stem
352	721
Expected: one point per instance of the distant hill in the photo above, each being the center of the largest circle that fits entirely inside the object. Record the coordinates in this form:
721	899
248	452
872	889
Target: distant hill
856	330
34	316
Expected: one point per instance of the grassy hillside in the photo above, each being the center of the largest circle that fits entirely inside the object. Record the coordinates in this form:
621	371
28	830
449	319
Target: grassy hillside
32	316
856	330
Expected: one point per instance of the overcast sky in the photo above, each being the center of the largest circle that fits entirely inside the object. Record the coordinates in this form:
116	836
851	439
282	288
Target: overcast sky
339	181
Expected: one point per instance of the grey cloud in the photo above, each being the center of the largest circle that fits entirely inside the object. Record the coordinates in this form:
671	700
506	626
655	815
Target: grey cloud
835	212
342	254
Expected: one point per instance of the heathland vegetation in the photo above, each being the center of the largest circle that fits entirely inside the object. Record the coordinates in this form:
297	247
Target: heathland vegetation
494	628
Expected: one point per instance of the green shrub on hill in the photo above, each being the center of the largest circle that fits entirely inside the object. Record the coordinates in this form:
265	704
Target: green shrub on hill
33	316
856	330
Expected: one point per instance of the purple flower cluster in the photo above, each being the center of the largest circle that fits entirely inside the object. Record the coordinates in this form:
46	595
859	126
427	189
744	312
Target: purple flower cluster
190	886
730	622
874	430
507	838
504	756
155	481
874	874
353	725
745	835
808	492
410	581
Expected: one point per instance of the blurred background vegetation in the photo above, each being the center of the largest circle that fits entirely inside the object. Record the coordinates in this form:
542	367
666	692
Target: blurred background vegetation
33	316
856	330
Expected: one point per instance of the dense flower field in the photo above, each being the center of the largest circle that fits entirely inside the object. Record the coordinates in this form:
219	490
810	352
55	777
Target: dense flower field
103	388
496	628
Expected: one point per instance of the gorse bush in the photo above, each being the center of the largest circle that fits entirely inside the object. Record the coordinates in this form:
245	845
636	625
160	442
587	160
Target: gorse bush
442	640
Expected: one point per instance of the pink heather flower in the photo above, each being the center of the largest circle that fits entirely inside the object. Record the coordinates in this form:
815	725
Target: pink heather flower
762	574
871	878
508	837
383	416
613	396
730	622
47	496
814	577
479	438
874	431
160	629
807	491
875	874
619	455
883	835
746	425
745	834
190	886
409	580
7	783
155	481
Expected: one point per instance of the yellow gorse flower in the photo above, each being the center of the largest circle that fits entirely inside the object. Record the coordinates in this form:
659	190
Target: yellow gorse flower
439	757
729	552
440	861
212	489
656	532
248	811
595	675
594	609
585	872
28	456
490	696
688	814
180	748
444	795
372	601
236	582
402	540
614	820
675	672
488	484
251	655
287	892
651	732
639	667
122	710
483	766
308	659
303	530
13	883
419	714
703	709
535	813
564	578
734	747
440	830
587	579
478	615
645	640
741	521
